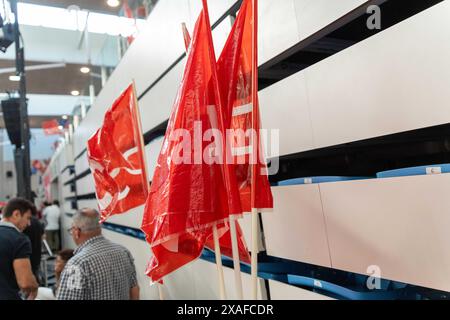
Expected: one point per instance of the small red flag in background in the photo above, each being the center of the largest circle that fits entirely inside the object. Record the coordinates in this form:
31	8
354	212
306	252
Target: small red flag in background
235	72
51	127
115	154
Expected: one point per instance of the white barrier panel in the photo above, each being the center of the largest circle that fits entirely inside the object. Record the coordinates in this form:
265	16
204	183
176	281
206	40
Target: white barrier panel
282	291
398	227
296	229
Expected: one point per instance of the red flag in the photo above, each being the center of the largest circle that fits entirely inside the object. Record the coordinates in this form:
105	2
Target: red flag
223	229
51	127
236	71
188	195
130	15
116	159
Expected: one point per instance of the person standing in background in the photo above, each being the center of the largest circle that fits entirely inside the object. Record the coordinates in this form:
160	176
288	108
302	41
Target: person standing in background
35	232
51	215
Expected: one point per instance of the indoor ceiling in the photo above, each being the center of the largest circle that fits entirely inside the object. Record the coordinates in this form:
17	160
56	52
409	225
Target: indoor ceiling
59	81
91	5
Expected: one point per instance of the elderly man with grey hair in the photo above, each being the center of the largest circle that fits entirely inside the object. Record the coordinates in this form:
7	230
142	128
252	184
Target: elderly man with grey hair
99	269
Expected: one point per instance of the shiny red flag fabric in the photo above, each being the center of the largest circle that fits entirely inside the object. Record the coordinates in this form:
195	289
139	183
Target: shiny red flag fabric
115	154
188	194
235	73
223	229
51	127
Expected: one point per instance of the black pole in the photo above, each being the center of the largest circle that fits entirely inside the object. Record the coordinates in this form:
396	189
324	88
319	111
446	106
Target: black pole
25	173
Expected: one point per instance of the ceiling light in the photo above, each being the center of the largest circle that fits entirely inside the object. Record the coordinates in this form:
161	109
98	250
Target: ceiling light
85	70
113	3
65	117
14	78
75	93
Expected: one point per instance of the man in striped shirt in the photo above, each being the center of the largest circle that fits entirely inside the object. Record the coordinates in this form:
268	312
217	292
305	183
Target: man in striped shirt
99	269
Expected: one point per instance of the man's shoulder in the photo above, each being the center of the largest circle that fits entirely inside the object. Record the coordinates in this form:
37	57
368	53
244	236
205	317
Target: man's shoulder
13	234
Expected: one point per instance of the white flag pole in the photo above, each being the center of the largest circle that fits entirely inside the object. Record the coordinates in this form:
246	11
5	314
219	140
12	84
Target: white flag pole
223	294
255	152
236	259
141	145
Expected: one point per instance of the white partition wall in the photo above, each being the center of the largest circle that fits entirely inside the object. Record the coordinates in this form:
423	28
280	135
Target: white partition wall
282	291
296	229
399	225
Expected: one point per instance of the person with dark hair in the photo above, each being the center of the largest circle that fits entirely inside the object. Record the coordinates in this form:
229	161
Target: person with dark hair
35	232
16	274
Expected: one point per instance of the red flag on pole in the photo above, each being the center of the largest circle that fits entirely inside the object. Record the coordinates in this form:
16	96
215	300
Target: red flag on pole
51	127
236	72
116	159
188	194
223	228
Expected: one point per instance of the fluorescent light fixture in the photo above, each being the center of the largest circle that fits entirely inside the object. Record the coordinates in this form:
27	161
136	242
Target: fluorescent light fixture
85	70
14	78
76	20
113	3
75	93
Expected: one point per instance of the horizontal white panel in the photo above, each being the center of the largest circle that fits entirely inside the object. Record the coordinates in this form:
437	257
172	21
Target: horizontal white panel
85	185
282	291
157	104
152	151
131	218
398	224
206	282
314	15
275	37
284	107
81	164
392	82
295	229
91	203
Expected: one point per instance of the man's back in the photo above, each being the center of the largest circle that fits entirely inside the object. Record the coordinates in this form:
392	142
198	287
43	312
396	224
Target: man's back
35	232
100	270
52	214
13	245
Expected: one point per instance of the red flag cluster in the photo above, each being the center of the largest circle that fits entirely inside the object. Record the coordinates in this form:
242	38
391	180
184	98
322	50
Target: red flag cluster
195	185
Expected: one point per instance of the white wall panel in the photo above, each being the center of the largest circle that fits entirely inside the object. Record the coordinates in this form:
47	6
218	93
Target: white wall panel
314	15
386	84
296	229
209	289
85	185
282	291
157	104
152	151
81	164
277	28
398	224
284	107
